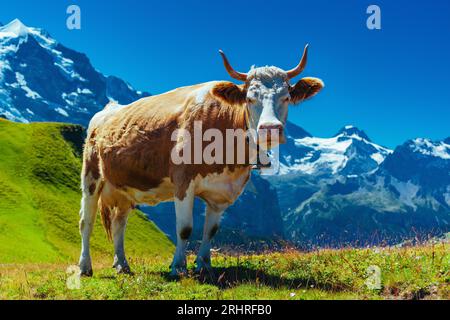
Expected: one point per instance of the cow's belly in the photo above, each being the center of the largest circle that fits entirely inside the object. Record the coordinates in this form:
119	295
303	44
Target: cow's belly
163	193
217	189
222	190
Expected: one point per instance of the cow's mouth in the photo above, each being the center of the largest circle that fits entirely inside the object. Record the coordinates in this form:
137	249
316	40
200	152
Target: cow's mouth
267	141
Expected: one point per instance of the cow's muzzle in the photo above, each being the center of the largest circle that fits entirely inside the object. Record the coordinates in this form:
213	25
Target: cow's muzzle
271	135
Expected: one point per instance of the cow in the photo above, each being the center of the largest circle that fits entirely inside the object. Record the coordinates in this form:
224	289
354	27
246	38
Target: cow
127	154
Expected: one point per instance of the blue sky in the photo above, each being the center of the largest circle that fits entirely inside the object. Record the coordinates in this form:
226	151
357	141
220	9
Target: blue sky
393	83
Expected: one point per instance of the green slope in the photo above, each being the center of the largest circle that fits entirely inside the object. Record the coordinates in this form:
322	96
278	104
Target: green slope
39	199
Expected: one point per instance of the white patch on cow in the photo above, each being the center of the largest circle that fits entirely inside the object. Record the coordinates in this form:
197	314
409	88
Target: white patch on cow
163	193
229	185
267	73
183	211
101	117
88	212
118	231
267	85
212	221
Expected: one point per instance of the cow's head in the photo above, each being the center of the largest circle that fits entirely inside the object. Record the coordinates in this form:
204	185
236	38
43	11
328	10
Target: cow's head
267	92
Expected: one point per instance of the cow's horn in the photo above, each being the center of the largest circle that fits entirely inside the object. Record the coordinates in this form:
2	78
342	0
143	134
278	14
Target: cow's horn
233	73
301	66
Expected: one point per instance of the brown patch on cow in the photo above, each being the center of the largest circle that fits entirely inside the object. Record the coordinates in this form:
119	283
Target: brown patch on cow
230	93
304	89
213	231
105	214
185	233
135	147
92	188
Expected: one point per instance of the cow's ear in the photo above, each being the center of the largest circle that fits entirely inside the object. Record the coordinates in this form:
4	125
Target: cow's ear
305	89
230	93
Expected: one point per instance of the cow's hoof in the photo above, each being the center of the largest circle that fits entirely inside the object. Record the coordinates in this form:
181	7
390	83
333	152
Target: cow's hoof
86	272
125	269
85	268
178	271
203	266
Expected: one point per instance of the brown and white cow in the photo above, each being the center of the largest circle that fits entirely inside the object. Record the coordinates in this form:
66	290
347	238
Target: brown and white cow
127	155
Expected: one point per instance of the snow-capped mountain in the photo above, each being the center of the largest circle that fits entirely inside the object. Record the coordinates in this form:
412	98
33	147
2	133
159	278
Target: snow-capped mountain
42	80
355	191
349	152
420	170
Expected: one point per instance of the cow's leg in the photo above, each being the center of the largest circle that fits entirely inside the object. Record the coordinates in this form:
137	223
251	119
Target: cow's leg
212	222
88	212
118	226
183	211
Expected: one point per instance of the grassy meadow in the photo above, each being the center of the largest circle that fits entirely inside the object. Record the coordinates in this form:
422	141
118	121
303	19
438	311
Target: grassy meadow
39	245
406	273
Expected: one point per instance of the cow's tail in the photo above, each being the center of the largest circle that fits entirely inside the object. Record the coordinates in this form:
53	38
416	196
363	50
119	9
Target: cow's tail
105	214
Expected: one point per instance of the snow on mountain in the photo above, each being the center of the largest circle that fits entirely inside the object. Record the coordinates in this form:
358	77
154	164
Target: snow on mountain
352	131
350	151
422	161
42	80
427	147
14	29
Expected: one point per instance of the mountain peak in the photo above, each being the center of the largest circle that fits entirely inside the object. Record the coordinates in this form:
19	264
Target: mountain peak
16	28
29	56
296	131
350	130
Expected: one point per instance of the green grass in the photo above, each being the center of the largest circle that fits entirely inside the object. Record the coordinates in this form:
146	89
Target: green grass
39	241
40	199
406	273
